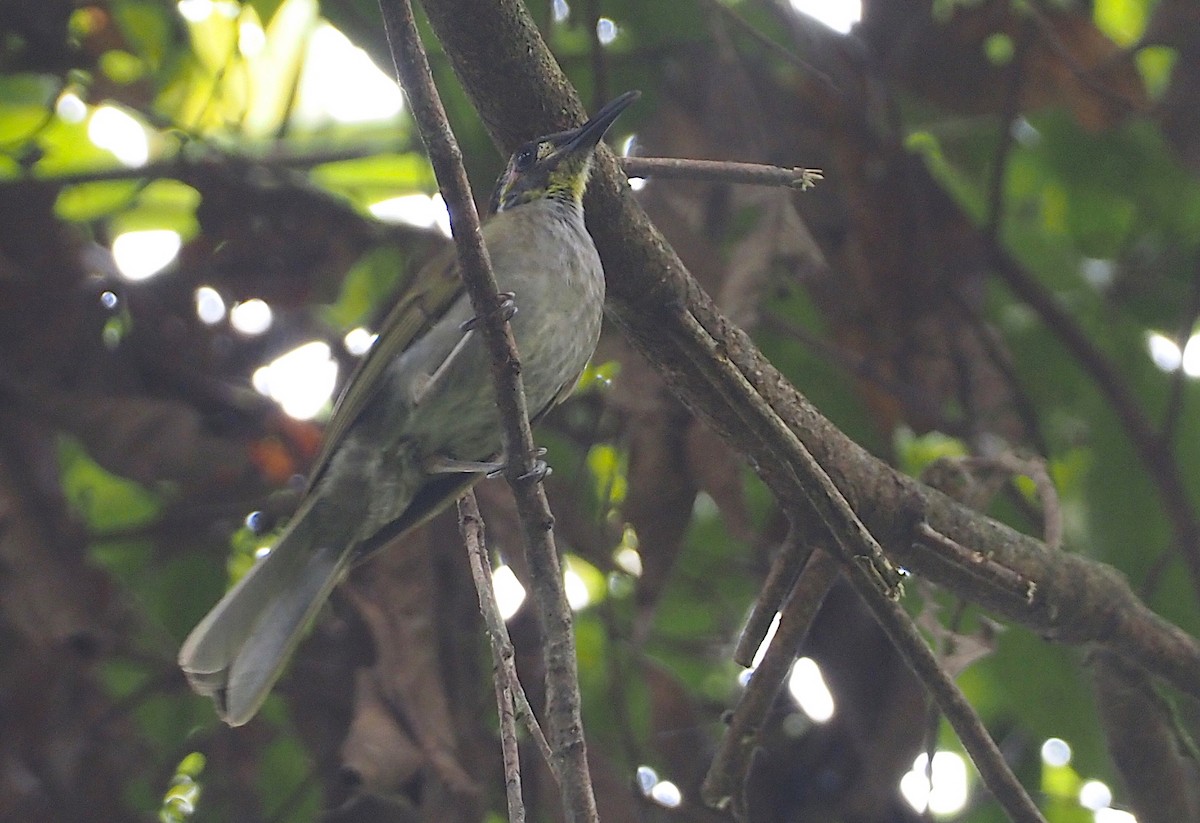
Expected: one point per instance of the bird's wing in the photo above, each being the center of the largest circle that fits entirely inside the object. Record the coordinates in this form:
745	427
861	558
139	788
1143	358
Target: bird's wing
426	299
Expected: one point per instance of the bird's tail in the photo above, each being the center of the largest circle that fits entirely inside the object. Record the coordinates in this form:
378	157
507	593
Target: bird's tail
237	652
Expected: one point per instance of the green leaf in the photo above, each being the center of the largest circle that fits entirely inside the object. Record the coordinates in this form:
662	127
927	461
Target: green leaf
25	104
368	180
1122	20
149	27
89	201
368	286
121	67
105	501
1155	64
162	204
608	466
915	452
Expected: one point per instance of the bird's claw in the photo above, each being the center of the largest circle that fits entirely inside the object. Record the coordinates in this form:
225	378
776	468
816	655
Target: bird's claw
506	308
539	470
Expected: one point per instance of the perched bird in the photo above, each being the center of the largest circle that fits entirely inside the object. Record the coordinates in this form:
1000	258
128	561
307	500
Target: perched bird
417	424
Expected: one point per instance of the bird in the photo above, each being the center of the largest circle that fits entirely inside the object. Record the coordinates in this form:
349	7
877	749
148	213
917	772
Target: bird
417	424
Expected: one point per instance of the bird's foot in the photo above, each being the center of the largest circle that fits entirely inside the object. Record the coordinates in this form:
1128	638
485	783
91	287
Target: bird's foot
448	465
506	308
540	469
437	464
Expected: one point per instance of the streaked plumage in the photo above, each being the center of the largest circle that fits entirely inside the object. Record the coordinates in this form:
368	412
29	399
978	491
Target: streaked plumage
423	395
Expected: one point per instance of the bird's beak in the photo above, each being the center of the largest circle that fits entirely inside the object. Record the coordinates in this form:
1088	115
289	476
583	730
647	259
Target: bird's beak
589	135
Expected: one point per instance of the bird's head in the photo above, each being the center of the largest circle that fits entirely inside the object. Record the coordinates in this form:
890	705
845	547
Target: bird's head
556	165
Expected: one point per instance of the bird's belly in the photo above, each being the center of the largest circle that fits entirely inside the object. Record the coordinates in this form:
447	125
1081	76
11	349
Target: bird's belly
458	416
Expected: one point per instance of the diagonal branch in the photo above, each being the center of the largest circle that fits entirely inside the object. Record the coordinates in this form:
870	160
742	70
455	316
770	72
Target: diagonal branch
563	716
872	576
504	672
511	78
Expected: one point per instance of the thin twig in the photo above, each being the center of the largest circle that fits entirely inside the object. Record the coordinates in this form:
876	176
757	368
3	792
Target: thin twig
469	518
564	720
726	776
919	402
790	561
722	171
647	281
1084	75
979	563
1152	450
1011	109
871	574
470	524
825	82
839	518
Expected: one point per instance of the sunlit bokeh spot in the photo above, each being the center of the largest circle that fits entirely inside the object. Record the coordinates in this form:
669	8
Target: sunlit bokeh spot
628	147
745	675
70	108
646	778
195	11
251	38
1164	351
510	594
577	591
666	794
421	210
949	791
142	254
358	341
210	307
839	15
251	316
115	131
606	31
301	381
1095	795
1025	132
807	687
1191	356
1113	816
339	81
628	560
1098	273
561	11
1056	752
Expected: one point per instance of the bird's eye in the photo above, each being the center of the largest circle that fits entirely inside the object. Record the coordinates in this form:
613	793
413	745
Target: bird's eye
525	158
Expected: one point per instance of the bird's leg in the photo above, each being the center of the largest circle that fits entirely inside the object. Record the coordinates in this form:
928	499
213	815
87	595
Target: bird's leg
540	469
438	464
506	308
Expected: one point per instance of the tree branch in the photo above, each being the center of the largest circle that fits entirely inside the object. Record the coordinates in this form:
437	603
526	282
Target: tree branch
514	83
876	581
504	673
726	776
1152	449
721	171
563	716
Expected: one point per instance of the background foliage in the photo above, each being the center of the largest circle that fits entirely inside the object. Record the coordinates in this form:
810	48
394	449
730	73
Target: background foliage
976	155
